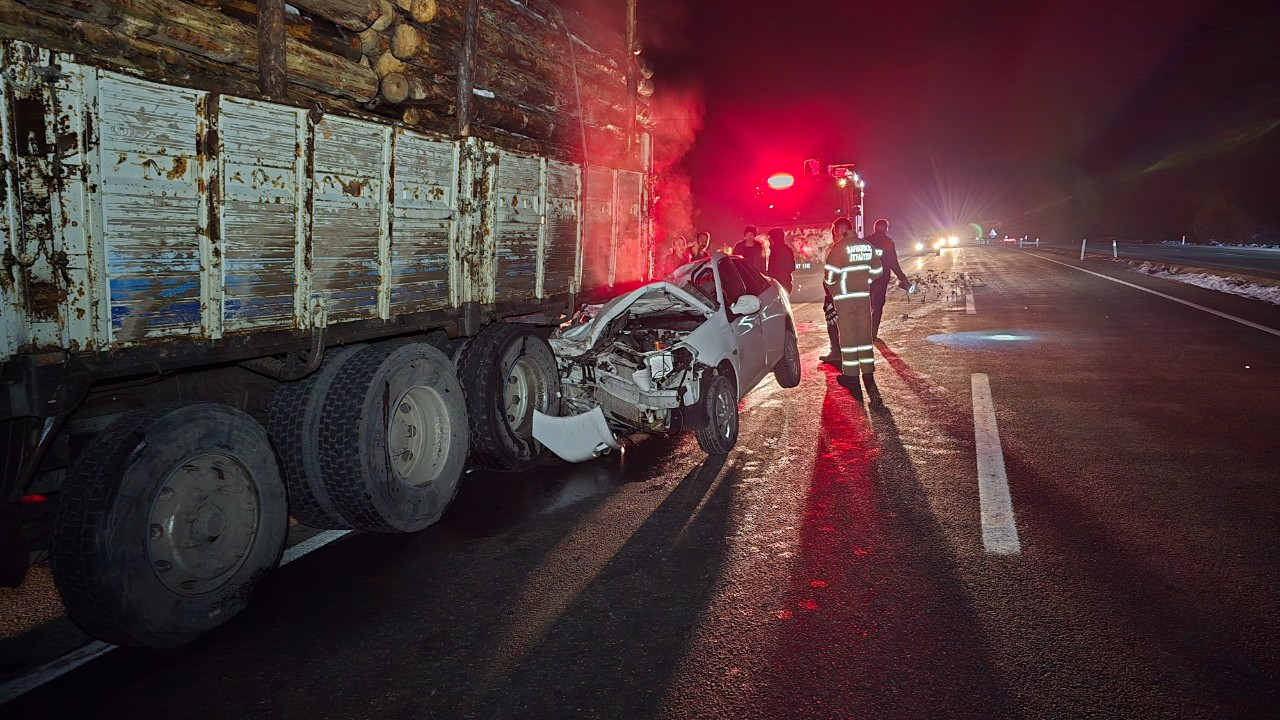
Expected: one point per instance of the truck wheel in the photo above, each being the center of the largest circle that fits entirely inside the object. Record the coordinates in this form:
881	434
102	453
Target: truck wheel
168	521
507	372
295	412
787	371
393	437
721	403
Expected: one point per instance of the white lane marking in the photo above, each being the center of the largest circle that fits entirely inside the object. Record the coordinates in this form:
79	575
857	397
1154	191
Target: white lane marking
57	668
969	309
1211	311
53	669
311	544
999	529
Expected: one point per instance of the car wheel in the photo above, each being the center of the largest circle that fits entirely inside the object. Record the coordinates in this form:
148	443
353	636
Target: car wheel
394	437
508	372
787	371
721	404
167	522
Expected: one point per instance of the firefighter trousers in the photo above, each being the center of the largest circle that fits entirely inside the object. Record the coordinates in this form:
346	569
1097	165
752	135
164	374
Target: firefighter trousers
853	318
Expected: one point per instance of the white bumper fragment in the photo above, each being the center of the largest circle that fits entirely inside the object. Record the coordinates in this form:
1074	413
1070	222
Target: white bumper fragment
575	438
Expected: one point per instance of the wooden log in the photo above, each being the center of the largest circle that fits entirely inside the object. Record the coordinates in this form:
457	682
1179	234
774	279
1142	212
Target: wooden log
351	14
386	16
399	89
421	11
273	72
316	32
373	43
212	35
512	117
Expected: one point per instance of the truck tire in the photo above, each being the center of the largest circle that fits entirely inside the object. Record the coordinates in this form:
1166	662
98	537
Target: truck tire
294	422
787	371
507	372
166	524
393	437
721	404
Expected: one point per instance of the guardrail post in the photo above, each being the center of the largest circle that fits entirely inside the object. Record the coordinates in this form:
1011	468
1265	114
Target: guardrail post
1082	242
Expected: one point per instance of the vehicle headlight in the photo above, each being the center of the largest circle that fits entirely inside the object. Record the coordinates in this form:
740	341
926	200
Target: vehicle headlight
953	241
919	247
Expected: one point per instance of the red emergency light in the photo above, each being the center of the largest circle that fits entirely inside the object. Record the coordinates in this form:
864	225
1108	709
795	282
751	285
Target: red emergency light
781	181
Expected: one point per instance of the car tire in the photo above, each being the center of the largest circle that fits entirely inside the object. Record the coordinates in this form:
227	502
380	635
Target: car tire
393	437
131	564
787	371
507	372
294	417
721	405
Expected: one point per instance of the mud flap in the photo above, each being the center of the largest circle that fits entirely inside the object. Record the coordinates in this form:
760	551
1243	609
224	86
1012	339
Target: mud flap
575	438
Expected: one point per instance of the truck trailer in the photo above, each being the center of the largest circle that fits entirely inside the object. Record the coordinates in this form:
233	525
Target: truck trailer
227	301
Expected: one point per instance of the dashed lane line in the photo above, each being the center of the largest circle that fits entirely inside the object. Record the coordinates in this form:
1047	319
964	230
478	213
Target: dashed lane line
999	528
1211	311
57	668
969	308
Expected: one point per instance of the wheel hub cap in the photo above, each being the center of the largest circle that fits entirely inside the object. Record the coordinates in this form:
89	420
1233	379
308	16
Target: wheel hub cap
202	523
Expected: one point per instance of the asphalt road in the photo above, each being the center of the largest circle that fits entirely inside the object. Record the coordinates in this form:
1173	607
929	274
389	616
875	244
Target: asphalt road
834	565
1259	262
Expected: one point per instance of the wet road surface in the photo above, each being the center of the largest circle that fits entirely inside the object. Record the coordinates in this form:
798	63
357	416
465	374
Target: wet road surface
833	565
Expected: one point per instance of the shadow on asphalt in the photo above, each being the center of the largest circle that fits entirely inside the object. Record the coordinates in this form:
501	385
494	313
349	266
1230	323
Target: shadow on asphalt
510	607
883	626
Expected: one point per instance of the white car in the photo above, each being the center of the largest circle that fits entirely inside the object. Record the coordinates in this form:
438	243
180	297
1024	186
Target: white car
672	355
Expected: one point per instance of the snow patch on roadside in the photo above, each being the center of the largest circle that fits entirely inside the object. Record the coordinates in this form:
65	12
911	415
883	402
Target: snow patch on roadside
1233	285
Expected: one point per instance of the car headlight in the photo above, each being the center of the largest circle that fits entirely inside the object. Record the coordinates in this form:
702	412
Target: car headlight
953	241
919	247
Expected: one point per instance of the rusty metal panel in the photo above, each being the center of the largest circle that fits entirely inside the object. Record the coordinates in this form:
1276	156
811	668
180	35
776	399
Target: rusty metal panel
347	228
151	207
13	322
474	248
560	251
597	242
518	226
260	161
631	264
423	227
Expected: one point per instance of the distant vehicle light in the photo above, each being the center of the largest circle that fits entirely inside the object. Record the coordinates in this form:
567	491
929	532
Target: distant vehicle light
781	181
953	241
919	247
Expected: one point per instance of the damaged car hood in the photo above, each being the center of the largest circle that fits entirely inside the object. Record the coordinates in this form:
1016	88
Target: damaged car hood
650	299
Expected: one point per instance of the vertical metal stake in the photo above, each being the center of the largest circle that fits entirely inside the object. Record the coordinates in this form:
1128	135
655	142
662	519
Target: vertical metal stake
1082	242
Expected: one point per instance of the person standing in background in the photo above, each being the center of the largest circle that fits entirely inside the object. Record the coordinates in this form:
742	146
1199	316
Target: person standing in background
751	249
888	254
701	246
782	261
678	256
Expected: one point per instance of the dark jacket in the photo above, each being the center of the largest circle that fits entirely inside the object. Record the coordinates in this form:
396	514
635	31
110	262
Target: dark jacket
888	258
782	264
754	254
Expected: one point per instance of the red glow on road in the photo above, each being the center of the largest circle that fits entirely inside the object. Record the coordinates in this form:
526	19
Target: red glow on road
781	181
34	498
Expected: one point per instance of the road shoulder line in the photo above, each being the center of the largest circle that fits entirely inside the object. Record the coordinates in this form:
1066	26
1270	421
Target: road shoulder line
999	528
1188	303
55	669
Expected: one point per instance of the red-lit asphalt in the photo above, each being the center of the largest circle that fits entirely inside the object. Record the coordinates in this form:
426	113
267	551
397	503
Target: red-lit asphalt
832	566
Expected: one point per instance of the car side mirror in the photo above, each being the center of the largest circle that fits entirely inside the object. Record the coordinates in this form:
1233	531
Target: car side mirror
745	305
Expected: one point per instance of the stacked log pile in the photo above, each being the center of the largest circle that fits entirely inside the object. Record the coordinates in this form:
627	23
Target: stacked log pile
399	59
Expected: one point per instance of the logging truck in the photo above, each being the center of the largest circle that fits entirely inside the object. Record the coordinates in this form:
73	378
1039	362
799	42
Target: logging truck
264	261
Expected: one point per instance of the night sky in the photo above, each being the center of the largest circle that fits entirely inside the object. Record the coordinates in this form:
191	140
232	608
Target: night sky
1102	117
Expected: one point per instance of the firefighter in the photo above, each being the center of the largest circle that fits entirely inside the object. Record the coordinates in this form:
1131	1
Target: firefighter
852	265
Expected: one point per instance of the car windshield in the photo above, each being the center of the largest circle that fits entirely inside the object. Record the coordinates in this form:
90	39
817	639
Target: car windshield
697	278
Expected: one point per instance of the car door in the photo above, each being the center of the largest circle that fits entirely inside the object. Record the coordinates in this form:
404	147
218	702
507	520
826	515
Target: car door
747	330
773	311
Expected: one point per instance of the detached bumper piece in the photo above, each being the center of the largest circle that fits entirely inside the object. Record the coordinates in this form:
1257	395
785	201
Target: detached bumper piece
575	438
